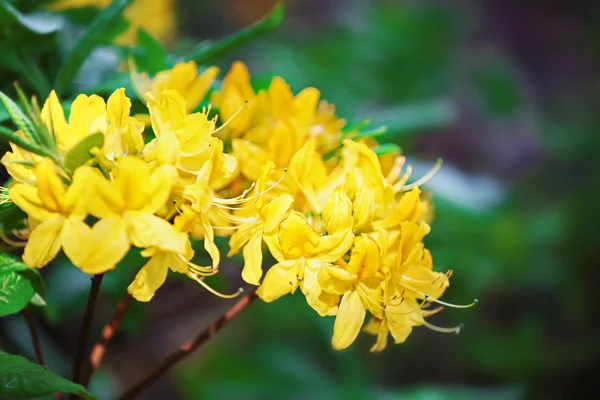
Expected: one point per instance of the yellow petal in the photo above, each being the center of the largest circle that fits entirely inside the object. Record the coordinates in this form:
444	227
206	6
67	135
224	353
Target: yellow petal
349	320
399	319
196	91
281	99
103	201
250	156
337	213
44	242
335	280
161	183
105	246
209	241
133	182
275	211
297	237
27	199
147	230
239	78
253	257
322	302
51	188
365	259
76	239
151	277
306	103
53	117
332	248
279	280
364	206
88	116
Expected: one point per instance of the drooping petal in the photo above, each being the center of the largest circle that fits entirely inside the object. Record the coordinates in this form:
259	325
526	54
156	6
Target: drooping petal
44	242
253	257
350	318
27	199
105	246
209	241
151	277
322	302
147	231
279	280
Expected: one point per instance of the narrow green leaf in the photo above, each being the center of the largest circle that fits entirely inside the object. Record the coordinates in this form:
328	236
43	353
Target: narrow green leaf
370	133
387	148
87	42
40	25
80	153
22	379
18	117
206	52
9	135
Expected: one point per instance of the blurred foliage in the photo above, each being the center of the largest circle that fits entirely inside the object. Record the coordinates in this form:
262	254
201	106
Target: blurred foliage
528	255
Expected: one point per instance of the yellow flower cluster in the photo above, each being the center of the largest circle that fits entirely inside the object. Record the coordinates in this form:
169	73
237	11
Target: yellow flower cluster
280	172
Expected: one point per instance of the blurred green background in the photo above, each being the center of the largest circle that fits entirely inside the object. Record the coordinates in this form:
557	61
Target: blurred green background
506	92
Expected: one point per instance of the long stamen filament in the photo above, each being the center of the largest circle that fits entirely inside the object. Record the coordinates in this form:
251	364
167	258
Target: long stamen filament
426	177
11	242
239	110
436	328
213	291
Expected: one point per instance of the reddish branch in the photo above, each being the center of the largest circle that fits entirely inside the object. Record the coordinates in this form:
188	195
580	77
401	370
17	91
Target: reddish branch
86	326
37	346
189	347
108	332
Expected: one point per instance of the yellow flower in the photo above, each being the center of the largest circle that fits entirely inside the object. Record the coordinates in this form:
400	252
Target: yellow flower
182	78
154	273
301	254
193	134
359	283
56	213
263	220
126	206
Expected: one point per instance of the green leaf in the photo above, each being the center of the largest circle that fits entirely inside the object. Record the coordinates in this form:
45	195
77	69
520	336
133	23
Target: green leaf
40	25
387	148
22	379
206	52
9	135
370	133
93	36
15	289
153	57
80	153
18	117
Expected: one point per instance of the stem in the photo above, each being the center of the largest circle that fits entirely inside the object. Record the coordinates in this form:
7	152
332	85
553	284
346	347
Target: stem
189	347
34	337
108	332
86	326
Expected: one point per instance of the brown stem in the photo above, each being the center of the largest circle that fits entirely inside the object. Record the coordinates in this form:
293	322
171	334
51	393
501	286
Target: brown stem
189	347
34	337
108	332
86	326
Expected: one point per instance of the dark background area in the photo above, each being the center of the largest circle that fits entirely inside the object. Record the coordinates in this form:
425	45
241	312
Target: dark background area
506	92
